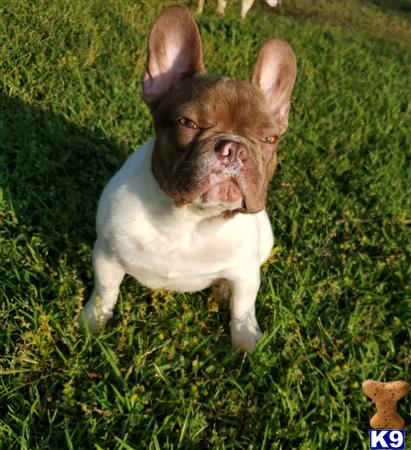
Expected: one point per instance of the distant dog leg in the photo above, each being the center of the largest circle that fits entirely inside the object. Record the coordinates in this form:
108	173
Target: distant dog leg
200	6
108	276
245	7
221	6
273	3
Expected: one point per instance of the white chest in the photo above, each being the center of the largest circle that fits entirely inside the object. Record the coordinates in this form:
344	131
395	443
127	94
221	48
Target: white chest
174	248
182	257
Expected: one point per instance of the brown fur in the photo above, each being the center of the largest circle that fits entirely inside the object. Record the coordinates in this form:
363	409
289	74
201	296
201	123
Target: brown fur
175	86
218	106
189	61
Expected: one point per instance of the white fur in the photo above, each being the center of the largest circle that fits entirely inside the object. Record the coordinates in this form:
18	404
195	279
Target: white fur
245	6
142	233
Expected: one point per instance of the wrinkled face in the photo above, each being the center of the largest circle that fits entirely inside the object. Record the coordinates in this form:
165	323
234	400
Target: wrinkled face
216	138
216	145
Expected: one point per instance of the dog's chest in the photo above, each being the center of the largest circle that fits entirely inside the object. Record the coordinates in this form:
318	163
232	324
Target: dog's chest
180	259
167	247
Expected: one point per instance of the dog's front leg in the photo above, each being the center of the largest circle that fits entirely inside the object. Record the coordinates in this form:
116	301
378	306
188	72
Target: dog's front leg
245	332
108	275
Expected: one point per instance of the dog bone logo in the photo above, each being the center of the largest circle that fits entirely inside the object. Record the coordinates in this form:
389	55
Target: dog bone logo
385	396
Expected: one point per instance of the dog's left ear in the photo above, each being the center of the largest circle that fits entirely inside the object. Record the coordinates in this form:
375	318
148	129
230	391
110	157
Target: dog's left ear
275	73
174	53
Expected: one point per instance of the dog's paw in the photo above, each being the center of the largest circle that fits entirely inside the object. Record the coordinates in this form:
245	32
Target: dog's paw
93	317
245	333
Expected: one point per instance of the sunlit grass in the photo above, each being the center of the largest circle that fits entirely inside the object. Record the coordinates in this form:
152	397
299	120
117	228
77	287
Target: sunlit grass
335	301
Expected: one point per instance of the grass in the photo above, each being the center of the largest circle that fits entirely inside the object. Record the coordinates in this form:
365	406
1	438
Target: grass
335	302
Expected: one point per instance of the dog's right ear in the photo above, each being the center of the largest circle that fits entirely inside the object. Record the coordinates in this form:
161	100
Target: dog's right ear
174	53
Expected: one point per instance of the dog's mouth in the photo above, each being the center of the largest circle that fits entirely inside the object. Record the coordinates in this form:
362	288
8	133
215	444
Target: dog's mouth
227	191
226	194
222	176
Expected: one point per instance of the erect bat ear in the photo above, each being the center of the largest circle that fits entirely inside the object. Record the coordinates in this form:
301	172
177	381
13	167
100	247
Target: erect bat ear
275	73
174	53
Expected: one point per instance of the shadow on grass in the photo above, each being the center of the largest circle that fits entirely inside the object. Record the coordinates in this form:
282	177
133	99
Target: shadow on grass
53	171
402	7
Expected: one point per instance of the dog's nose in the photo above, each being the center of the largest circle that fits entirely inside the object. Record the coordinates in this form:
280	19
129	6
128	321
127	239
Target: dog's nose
231	151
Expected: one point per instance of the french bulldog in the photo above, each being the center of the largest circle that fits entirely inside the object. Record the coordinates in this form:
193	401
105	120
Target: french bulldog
186	211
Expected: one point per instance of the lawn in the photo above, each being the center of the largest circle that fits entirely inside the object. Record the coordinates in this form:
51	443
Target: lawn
335	301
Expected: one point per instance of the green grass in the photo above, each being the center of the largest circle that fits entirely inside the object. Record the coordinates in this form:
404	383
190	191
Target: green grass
335	301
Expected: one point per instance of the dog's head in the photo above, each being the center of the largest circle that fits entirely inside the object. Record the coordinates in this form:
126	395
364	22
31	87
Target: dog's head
216	138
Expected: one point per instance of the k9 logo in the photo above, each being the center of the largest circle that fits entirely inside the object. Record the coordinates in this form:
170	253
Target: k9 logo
387	439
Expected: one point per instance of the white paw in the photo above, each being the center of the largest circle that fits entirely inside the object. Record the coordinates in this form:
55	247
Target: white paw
245	333
93	317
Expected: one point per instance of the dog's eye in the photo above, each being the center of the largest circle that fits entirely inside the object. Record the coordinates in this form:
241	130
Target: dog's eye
184	122
272	139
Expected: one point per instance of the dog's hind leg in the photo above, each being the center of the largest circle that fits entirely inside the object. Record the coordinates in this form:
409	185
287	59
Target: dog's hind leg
200	6
245	7
221	4
221	290
108	275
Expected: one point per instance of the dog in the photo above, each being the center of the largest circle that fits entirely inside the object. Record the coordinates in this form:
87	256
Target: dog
246	5
187	210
